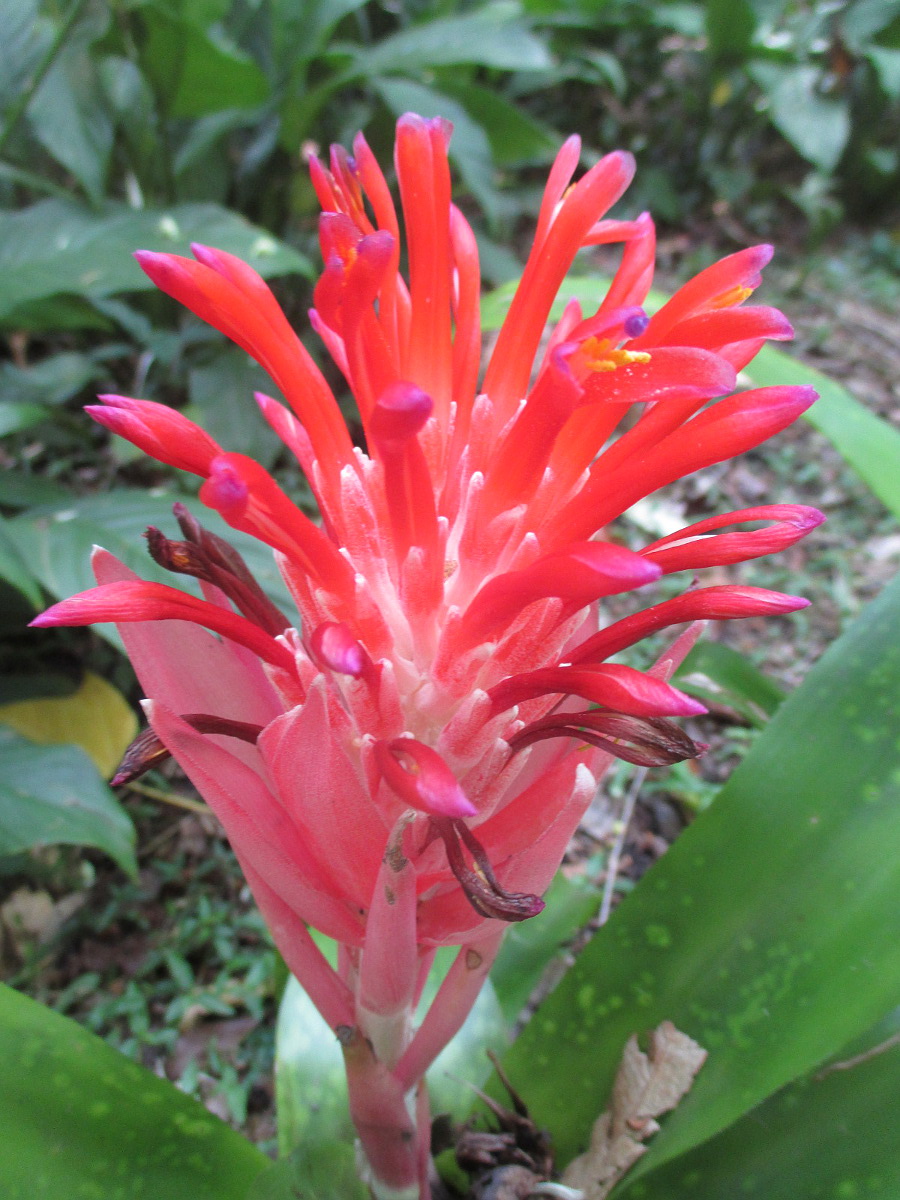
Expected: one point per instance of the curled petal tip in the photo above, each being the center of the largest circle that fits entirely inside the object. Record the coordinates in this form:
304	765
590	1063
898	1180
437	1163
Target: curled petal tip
421	778
334	645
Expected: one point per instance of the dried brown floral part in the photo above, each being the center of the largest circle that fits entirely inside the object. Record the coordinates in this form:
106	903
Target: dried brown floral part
643	741
206	556
478	882
147	750
646	1086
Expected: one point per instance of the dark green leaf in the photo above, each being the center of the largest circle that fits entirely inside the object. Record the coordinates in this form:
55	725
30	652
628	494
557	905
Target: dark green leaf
223	392
492	36
530	947
869	444
817	126
51	381
24	38
767	932
58	542
721	677
70	120
829	1136
53	247
53	795
14	568
514	136
730	25
21	491
18	415
80	1119
197	72
315	1171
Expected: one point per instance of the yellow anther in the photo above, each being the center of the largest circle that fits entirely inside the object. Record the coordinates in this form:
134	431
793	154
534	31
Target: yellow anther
600	356
736	295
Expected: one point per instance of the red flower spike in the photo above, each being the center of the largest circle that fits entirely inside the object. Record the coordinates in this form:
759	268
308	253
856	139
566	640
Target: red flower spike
690	549
578	574
725	603
126	602
468	520
421	778
616	687
158	430
334	646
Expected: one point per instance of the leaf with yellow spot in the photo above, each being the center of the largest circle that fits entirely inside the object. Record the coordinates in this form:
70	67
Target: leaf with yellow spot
96	717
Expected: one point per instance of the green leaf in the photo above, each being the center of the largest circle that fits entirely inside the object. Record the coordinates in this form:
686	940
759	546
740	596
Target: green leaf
58	540
24	38
54	795
887	64
80	1119
223	392
314	1171
870	445
16	415
70	120
14	568
198	72
514	136
833	1135
730	25
54	247
721	676
817	126
530	947
53	380
767	932
492	36
96	717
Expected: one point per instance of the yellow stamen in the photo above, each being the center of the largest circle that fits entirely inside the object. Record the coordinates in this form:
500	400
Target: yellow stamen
600	356
734	296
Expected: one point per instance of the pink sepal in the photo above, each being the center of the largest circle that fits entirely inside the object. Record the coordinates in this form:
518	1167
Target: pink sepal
613	685
690	549
158	430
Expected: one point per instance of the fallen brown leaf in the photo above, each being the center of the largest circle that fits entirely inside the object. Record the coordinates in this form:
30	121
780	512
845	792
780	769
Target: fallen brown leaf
646	1086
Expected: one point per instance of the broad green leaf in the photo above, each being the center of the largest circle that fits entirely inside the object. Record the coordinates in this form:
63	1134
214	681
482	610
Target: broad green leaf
719	675
492	36
53	795
832	1136
887	64
514	136
54	247
197	72
767	932
870	445
53	380
81	1120
71	121
14	568
24	38
16	415
18	490
530	947
58	540
730	25
314	1171
223	392
96	717
816	125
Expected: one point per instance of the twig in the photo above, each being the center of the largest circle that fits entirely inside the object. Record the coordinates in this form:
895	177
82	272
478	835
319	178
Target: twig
144	789
858	1059
615	855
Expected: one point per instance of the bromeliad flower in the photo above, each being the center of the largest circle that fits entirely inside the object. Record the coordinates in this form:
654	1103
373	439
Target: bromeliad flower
402	766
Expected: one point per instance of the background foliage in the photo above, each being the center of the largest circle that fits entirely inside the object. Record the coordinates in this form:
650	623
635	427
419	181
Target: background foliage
152	123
